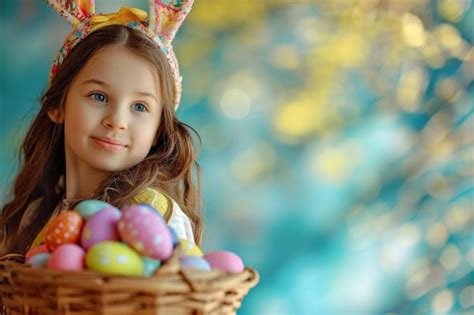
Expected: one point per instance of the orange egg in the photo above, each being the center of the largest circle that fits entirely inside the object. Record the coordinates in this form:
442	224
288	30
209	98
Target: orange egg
64	229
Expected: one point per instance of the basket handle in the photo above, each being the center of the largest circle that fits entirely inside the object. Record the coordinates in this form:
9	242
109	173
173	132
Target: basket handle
13	258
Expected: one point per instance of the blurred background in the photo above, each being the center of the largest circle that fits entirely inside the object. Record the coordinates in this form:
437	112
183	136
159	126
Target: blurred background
338	136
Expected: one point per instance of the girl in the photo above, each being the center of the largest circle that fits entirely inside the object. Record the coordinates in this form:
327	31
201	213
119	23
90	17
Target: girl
107	127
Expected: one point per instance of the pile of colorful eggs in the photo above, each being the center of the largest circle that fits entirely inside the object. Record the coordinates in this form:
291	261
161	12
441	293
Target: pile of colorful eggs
133	242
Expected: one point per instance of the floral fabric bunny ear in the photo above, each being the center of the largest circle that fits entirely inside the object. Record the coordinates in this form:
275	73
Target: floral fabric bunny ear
166	17
74	11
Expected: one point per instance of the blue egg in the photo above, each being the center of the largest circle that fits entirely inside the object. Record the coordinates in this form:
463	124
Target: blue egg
39	260
87	208
195	262
174	236
150	265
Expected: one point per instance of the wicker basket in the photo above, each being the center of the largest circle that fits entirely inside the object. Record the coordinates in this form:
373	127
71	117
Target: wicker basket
172	290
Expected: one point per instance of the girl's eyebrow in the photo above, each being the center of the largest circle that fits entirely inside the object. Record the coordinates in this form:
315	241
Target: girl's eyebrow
107	85
94	81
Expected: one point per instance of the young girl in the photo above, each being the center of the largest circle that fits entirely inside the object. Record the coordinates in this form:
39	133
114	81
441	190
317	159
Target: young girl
107	127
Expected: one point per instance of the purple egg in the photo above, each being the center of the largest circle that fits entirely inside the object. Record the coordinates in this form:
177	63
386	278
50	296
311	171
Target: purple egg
195	262
101	226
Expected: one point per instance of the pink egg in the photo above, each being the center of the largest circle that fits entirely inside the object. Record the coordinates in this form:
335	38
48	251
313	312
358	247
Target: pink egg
225	261
145	230
67	257
101	226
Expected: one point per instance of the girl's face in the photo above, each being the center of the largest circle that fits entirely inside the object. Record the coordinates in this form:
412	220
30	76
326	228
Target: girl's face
112	112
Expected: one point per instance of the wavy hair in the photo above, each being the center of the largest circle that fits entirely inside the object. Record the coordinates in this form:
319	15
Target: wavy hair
170	166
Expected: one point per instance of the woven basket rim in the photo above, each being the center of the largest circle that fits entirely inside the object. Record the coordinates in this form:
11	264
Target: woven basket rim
24	288
15	262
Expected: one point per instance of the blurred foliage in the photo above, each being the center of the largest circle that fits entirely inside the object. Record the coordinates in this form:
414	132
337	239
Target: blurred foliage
337	149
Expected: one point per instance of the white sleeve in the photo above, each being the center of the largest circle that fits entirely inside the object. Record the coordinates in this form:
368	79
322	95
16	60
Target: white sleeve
181	224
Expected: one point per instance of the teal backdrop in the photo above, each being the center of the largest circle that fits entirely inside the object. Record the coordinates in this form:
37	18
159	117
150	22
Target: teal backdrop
337	155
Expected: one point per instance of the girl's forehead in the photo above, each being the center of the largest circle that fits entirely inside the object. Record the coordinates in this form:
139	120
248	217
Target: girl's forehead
121	67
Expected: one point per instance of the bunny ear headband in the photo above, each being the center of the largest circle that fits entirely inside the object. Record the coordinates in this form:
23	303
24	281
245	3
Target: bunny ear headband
166	16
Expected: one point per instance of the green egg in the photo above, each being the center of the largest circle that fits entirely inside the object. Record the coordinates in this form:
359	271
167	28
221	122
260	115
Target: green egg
150	265
114	258
88	207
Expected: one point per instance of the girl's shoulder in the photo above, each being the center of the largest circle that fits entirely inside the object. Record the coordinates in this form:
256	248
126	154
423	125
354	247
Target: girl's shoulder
171	211
157	199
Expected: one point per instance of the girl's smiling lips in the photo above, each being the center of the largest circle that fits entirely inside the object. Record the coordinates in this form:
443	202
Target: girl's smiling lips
109	143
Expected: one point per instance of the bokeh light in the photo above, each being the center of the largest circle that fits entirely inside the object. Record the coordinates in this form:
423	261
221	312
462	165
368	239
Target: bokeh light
338	136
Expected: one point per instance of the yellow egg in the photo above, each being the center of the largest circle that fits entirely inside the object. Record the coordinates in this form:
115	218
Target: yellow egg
188	248
115	258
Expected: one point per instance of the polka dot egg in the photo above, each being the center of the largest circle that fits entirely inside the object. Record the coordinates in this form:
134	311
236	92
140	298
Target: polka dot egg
146	231
102	226
63	229
114	258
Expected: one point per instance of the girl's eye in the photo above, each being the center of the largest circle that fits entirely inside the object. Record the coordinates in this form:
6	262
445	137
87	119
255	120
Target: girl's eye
140	107
99	97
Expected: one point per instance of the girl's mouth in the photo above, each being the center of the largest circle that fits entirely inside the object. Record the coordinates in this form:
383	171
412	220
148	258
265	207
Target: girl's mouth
108	144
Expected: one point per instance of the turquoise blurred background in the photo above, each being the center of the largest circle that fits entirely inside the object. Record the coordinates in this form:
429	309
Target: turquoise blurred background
337	149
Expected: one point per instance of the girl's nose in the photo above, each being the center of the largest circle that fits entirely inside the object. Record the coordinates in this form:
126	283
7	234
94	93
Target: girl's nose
115	119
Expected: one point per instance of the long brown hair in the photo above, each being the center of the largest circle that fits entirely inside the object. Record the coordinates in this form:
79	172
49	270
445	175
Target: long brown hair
170	165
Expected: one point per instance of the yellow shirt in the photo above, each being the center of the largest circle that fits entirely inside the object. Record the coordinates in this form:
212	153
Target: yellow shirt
150	196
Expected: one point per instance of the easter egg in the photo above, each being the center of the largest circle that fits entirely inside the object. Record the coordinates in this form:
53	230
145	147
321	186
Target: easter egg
88	207
63	229
101	226
67	257
114	258
195	262
35	250
146	232
39	260
150	265
225	261
188	248
174	236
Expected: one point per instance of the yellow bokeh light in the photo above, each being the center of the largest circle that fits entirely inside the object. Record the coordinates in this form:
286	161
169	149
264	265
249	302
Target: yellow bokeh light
254	163
285	57
453	10
451	257
298	119
335	164
235	103
411	87
413	31
437	235
443	301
